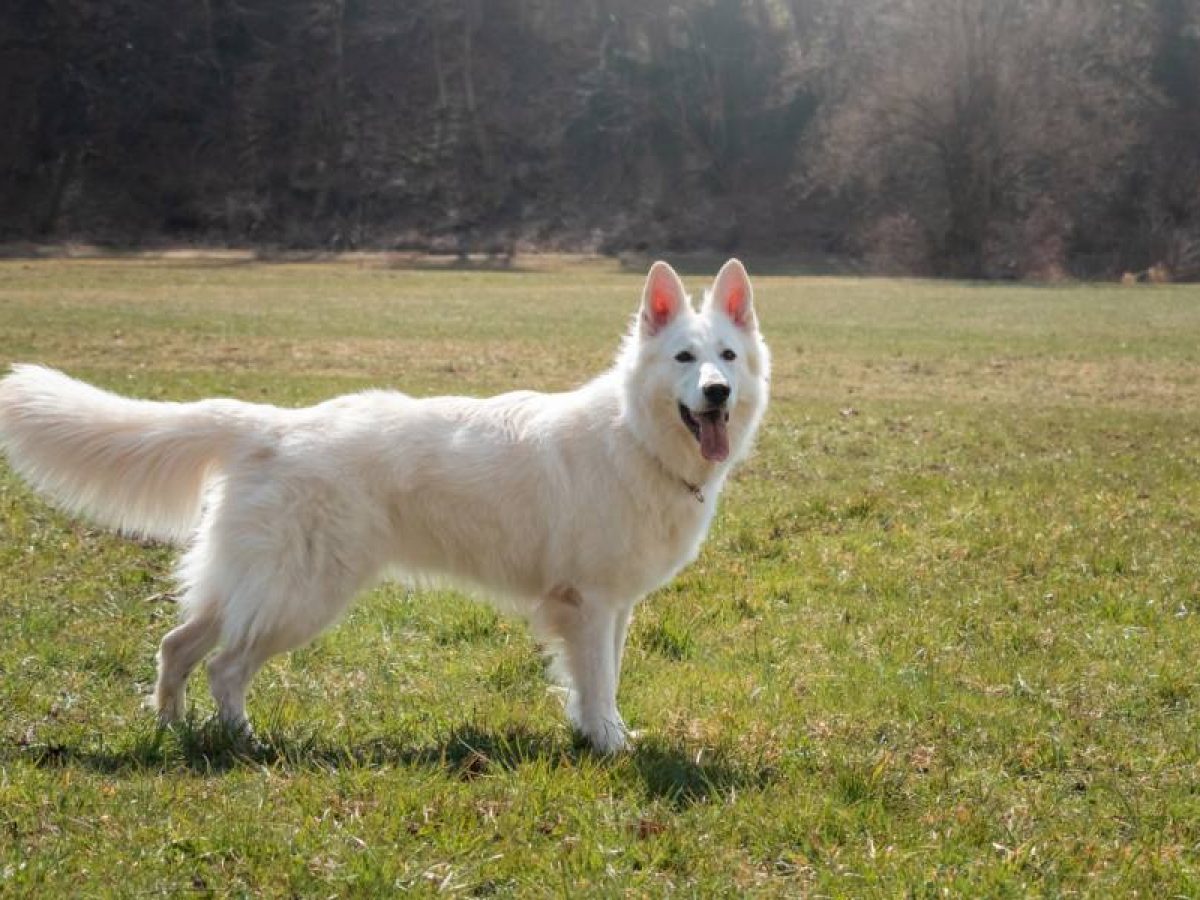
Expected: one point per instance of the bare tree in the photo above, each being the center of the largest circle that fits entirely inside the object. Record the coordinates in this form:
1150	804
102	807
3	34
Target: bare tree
983	137
976	117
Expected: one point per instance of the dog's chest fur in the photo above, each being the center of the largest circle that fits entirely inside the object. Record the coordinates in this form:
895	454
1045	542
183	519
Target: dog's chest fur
659	539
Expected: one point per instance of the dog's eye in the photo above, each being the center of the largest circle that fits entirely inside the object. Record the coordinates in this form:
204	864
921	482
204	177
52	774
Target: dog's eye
728	355
684	356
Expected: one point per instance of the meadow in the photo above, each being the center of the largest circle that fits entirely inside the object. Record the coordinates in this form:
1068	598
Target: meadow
941	641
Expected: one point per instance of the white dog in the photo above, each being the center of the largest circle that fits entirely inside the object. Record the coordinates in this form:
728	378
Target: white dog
567	507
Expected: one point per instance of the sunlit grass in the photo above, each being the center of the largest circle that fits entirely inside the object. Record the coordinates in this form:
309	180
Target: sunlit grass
942	635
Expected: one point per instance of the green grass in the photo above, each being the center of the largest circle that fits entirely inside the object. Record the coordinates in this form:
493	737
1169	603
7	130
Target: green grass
941	639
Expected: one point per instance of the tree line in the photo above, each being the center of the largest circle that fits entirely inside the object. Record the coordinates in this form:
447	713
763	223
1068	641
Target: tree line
983	138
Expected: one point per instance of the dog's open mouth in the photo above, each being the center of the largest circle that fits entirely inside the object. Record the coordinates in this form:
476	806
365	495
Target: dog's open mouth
710	429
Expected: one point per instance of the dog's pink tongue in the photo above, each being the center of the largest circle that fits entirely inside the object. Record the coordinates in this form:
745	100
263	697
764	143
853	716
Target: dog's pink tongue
714	439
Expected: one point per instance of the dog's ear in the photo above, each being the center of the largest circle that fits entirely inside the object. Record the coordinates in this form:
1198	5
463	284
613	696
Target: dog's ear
662	299
733	296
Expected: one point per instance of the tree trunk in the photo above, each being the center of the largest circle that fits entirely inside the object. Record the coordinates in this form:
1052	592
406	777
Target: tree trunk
64	171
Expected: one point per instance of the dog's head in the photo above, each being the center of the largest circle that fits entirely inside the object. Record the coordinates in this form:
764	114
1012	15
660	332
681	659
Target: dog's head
699	375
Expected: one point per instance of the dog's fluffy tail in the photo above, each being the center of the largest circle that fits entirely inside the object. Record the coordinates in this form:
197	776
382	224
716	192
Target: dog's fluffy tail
135	465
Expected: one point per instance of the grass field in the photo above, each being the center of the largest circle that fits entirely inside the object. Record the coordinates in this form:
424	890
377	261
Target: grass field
942	638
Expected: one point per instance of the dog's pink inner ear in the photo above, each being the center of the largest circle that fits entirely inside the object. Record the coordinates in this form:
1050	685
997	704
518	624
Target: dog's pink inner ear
732	295
662	304
664	299
735	304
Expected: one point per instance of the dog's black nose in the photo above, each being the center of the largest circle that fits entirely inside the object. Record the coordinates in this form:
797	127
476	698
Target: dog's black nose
716	393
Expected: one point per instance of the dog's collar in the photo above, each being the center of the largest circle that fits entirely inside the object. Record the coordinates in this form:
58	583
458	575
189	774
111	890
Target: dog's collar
695	490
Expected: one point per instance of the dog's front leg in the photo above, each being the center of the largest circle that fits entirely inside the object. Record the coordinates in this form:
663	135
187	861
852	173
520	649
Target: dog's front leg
620	633
588	627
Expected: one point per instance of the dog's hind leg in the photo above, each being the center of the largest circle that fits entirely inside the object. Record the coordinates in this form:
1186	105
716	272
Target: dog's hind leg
282	625
285	564
178	654
229	675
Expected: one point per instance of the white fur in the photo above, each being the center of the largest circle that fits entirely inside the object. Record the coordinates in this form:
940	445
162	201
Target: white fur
568	508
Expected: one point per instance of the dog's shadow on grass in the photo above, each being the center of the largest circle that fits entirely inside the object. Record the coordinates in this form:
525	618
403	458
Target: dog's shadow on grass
669	772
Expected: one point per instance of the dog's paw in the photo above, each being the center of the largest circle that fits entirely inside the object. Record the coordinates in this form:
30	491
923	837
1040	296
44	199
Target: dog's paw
238	731
166	714
608	737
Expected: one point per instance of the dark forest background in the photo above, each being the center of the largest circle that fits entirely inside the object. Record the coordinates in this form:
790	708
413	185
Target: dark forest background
993	138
